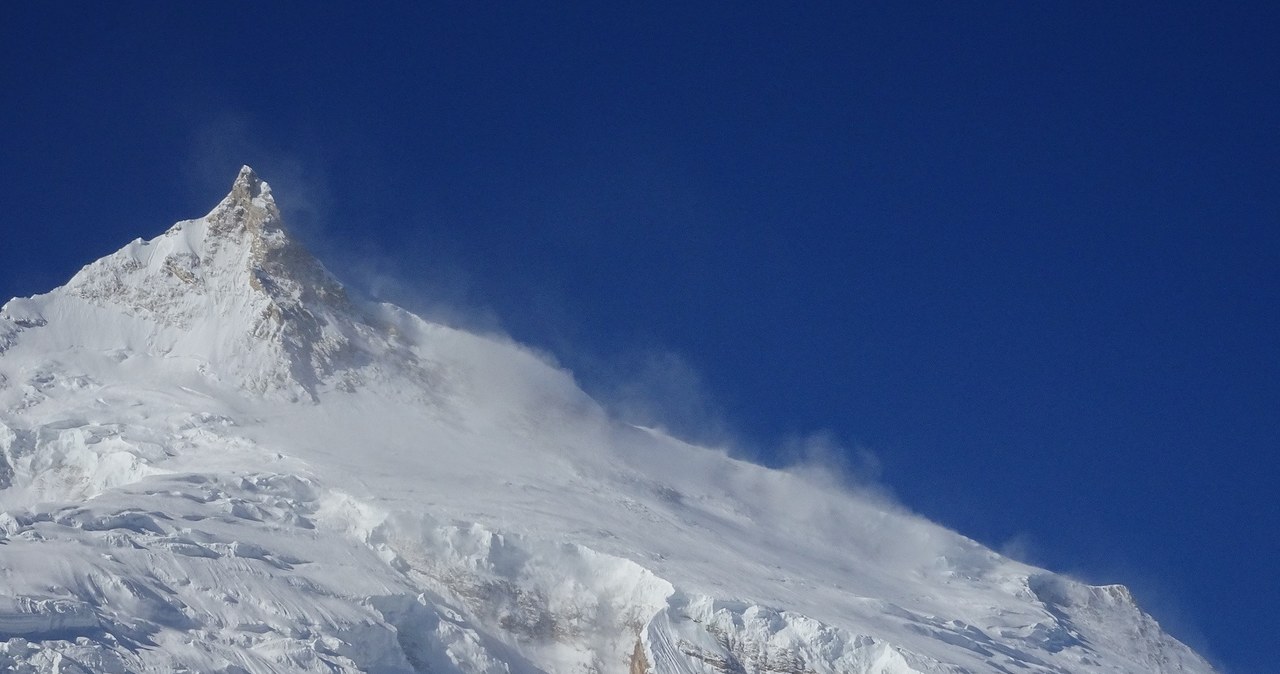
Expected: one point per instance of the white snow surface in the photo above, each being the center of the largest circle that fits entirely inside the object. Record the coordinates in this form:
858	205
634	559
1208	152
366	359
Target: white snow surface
214	459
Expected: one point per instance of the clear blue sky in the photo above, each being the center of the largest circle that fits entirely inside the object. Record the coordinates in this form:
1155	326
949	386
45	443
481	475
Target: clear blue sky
1027	254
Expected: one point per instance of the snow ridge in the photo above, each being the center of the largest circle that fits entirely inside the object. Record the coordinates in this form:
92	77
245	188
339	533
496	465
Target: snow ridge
213	458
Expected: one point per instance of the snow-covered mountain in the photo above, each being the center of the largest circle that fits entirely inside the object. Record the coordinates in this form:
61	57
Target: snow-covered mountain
215	459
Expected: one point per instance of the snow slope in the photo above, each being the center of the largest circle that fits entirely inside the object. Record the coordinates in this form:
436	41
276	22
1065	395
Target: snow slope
214	459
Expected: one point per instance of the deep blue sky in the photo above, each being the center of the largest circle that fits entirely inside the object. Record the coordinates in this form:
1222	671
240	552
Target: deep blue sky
1027	254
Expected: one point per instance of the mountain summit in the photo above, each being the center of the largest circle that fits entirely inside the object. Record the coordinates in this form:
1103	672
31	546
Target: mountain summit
213	458
232	287
280	268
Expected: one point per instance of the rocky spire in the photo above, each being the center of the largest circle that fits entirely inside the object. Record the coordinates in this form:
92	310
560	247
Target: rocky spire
248	206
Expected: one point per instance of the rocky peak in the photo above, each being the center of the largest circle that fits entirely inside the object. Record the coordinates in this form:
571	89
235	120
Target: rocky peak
249	209
249	219
249	204
307	314
231	289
